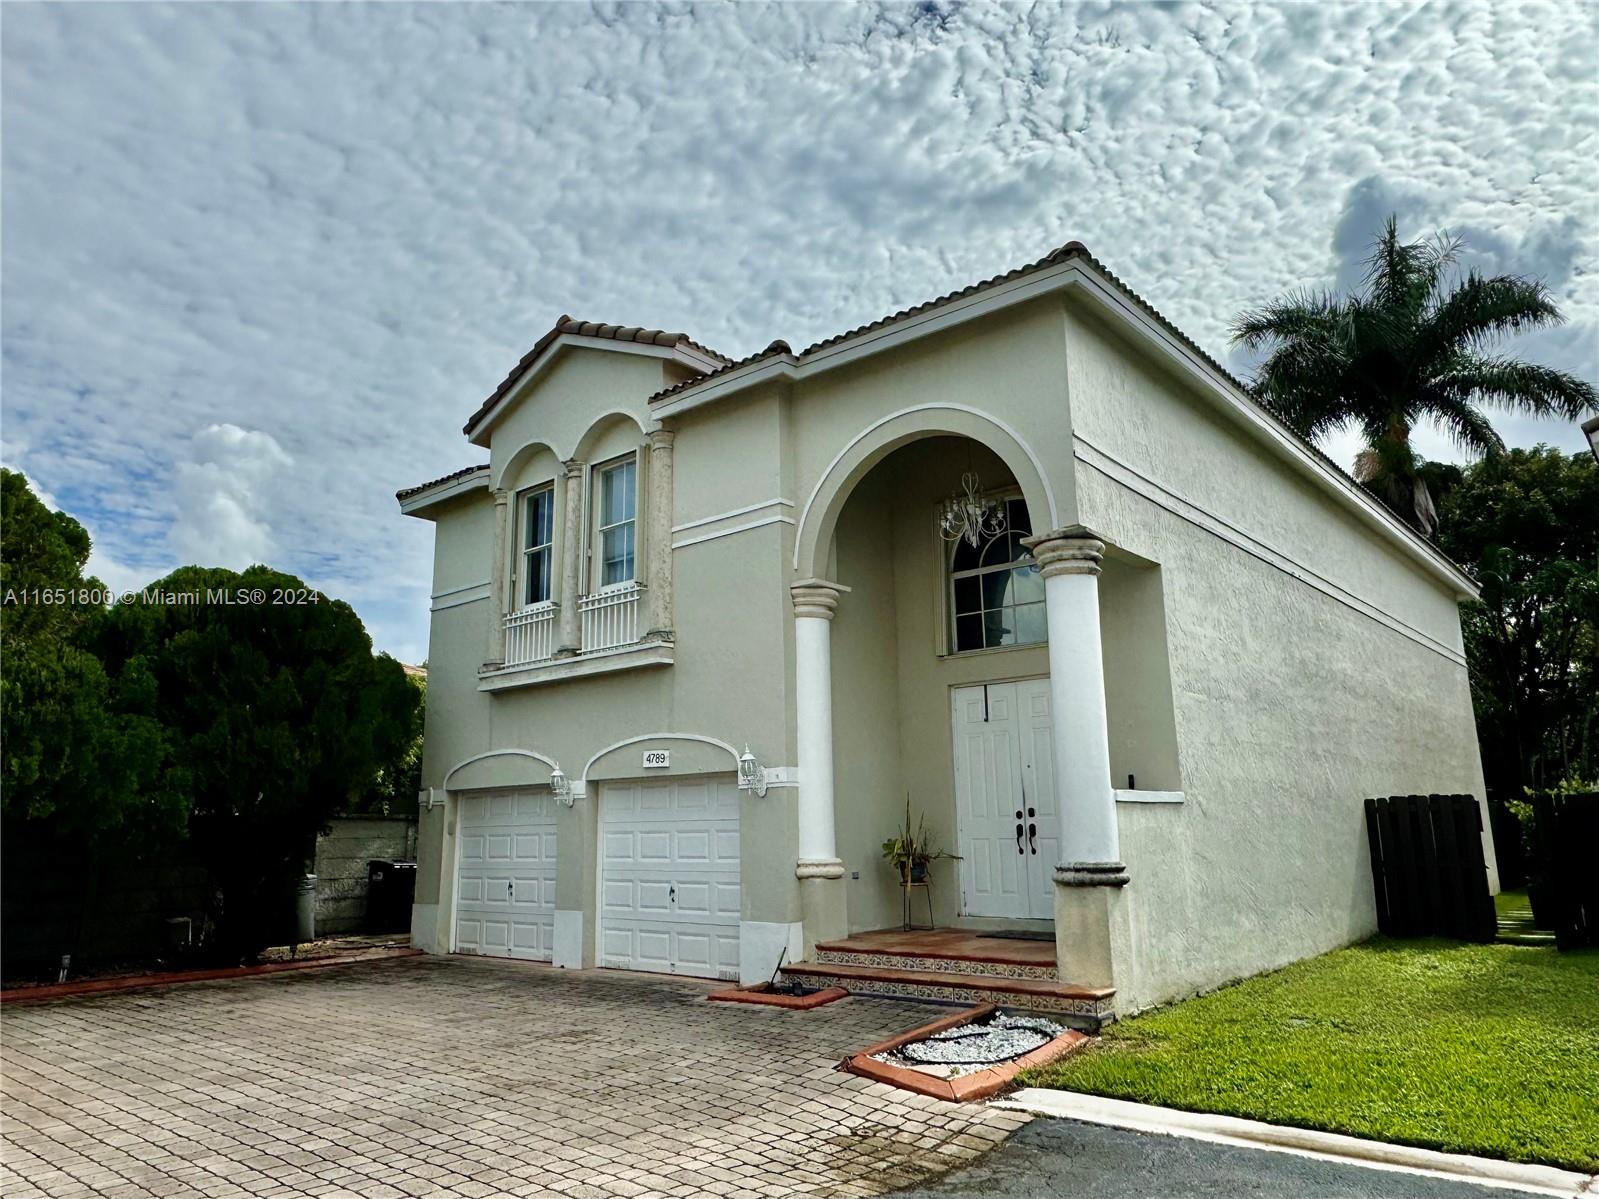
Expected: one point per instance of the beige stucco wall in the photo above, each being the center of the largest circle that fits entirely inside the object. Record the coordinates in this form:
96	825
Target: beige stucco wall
1001	381
1291	705
732	638
568	400
1272	705
894	677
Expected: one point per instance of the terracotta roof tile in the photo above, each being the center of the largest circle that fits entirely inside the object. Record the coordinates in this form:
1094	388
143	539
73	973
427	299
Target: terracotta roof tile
782	347
565	324
1072	249
778	348
407	492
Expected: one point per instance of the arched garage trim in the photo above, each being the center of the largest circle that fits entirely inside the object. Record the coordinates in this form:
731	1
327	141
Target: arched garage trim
501	768
623	744
874	443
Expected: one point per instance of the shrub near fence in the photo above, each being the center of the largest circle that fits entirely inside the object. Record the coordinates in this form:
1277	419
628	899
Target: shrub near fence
1428	869
1566	837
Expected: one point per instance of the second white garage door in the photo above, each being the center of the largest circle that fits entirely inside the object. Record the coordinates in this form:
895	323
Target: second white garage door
505	883
669	886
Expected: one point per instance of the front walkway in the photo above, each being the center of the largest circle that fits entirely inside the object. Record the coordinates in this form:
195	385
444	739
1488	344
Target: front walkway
457	1076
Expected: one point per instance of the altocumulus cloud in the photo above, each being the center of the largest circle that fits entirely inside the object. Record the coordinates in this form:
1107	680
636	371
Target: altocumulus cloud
261	261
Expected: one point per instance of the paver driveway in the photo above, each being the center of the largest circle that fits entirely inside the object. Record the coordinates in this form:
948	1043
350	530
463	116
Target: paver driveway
453	1076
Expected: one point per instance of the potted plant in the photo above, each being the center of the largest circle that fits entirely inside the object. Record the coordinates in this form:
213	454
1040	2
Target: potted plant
911	850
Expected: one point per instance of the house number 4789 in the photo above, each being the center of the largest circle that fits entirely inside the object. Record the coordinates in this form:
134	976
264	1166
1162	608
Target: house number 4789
654	758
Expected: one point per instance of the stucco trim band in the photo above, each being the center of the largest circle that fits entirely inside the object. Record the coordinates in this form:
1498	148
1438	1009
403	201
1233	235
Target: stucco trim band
744	528
775	501
627	657
1091	874
460	597
1165	797
1120	473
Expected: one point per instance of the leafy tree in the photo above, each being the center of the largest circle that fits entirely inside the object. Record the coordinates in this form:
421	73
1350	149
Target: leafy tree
1525	522
1415	342
70	767
279	712
393	790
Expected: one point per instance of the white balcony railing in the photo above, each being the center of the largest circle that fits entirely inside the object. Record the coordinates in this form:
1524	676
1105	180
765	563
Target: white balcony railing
530	634
611	617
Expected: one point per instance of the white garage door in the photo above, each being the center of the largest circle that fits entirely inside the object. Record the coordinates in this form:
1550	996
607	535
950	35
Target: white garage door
669	897
505	884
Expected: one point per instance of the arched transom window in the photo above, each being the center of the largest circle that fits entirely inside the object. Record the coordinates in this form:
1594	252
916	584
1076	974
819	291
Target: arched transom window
996	592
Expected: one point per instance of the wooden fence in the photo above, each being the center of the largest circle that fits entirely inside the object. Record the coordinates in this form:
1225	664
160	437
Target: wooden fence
1566	833
1428	868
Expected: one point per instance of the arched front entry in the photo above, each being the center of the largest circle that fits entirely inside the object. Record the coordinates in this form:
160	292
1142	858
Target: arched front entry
854	461
878	668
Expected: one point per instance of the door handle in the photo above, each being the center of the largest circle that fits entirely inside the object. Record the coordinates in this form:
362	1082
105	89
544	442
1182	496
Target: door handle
671	894
510	889
1019	838
1032	837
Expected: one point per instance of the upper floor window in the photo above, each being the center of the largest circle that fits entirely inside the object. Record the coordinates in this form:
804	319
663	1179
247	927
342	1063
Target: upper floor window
538	525
616	490
996	591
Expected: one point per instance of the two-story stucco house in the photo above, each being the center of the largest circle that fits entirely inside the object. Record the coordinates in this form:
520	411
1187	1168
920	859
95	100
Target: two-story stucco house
1023	554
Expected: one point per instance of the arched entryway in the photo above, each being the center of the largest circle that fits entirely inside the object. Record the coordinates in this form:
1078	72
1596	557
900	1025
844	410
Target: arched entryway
888	632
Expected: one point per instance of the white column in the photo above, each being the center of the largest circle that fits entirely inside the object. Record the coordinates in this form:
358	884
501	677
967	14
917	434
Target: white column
823	907
814	603
498	586
1090	847
658	538
569	634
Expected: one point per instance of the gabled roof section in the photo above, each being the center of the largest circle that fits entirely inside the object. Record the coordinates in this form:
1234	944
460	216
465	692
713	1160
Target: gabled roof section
567	326
778	360
781	348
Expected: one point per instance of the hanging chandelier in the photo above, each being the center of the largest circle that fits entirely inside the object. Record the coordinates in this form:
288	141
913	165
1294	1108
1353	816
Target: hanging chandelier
968	515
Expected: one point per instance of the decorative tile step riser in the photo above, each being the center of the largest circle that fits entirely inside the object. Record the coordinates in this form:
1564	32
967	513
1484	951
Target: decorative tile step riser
1092	1009
894	961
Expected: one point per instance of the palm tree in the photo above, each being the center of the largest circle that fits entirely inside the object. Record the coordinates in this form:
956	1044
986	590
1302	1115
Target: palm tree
1414	342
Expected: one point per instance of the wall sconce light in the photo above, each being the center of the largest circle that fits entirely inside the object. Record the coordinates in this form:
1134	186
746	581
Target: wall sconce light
561	786
751	774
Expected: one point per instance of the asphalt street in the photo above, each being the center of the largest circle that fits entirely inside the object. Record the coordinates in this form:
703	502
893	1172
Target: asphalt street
1064	1158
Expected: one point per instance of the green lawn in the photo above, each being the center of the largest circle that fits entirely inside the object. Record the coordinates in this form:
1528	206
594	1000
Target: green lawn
1486	1049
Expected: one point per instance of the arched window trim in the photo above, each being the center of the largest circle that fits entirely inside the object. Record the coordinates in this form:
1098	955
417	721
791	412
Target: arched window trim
1027	627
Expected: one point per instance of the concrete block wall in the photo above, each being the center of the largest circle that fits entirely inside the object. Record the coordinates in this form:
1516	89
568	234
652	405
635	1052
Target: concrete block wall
341	857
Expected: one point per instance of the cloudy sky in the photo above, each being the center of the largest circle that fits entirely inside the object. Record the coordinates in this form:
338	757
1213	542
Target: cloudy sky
261	261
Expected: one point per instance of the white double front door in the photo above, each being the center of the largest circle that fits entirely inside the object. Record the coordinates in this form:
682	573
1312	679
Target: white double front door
1006	819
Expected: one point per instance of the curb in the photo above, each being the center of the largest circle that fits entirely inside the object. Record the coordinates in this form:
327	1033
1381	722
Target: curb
1328	1146
138	982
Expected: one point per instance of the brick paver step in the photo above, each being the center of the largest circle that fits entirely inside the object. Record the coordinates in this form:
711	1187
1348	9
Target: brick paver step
1038	994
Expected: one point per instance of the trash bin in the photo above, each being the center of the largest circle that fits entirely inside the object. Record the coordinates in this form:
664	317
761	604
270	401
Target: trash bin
305	910
390	890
